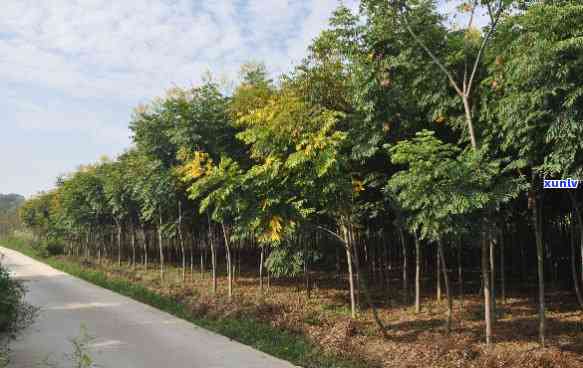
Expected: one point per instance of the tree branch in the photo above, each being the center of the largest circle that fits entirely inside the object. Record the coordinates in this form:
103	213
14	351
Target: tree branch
331	233
432	56
493	23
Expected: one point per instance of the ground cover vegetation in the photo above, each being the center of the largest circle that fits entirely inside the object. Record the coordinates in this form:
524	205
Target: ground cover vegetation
398	167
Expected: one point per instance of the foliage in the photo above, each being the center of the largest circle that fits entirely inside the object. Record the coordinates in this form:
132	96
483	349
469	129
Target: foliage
441	183
12	293
9	203
395	122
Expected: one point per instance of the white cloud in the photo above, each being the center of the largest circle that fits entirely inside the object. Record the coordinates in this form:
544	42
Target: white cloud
71	70
133	48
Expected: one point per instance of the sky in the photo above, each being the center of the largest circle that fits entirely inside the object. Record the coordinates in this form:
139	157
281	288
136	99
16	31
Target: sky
71	71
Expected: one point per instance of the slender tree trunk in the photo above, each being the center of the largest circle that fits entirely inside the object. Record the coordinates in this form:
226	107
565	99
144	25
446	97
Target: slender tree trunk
238	274
460	276
381	255
350	272
160	246
536	218
502	268
579	218
202	257
213	254
192	248
119	230
133	245
486	288
87	241
417	274
447	288
469	122
338	269
405	270
387	265
213	261
111	244
492	243
438	275
181	240
574	267
523	272
351	282
362	281
229	261
308	282
145	238
261	269
98	252
268	279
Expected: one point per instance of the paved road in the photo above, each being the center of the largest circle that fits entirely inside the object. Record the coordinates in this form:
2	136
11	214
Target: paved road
128	334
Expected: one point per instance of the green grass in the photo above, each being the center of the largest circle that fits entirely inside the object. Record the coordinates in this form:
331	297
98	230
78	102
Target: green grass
260	335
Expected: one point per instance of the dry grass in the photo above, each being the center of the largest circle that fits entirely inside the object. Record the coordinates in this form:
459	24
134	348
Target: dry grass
414	340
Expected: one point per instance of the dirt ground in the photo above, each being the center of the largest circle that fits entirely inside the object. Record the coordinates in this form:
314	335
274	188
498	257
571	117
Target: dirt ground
414	340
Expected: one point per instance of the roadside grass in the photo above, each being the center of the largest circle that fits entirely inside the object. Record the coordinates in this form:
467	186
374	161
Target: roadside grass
282	344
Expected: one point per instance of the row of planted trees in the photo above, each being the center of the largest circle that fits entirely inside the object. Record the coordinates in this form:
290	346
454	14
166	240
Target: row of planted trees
399	143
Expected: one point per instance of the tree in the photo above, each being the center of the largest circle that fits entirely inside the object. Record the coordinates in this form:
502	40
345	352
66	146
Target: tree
538	108
440	185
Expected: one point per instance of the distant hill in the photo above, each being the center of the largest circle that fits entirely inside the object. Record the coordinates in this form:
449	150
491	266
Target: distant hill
10	202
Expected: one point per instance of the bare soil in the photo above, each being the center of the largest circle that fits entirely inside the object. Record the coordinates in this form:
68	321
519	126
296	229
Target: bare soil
415	340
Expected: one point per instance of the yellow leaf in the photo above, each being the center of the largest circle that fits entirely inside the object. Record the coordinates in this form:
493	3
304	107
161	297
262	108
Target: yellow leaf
357	185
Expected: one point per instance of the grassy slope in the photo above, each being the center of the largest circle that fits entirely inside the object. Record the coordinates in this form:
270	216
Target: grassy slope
260	335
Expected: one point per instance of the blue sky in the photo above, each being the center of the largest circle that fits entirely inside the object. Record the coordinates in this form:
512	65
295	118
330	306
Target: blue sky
71	71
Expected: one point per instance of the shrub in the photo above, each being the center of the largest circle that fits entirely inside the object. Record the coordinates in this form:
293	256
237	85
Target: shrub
11	302
54	248
48	248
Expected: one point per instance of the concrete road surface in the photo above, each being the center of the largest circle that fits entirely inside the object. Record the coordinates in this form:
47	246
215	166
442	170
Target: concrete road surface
127	334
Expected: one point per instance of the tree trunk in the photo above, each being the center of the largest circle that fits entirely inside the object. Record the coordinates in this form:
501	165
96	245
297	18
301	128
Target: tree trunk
202	258
405	270
307	281
268	280
574	267
181	240
213	260
350	272
536	218
192	248
87	241
502	269
229	261
438	275
238	274
160	246
338	269
387	265
469	122
145	239
460	276
447	288
119	230
417	274
362	281
580	225
133	245
211	240
98	252
492	243
351	282
486	288
261	270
